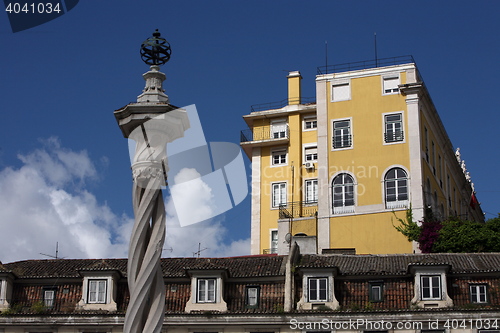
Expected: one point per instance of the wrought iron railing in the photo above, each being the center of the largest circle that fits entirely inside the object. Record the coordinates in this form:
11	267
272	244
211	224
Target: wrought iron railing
298	209
265	133
345	141
394	136
351	66
282	103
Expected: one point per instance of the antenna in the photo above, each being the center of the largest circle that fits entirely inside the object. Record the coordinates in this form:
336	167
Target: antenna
57	253
376	55
326	56
199	250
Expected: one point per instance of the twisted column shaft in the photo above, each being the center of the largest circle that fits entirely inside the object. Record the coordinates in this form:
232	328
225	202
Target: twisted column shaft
146	309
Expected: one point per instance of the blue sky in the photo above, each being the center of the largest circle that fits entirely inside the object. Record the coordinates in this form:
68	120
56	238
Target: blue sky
61	151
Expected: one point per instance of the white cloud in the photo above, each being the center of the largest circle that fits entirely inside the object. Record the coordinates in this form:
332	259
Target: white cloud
45	201
195	202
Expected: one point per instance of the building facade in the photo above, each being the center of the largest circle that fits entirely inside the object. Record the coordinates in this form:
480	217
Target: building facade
335	172
304	293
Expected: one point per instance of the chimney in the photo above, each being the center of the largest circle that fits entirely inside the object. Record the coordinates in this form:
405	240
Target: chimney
294	88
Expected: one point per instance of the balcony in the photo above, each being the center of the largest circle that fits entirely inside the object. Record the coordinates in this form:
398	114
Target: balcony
264	134
298	209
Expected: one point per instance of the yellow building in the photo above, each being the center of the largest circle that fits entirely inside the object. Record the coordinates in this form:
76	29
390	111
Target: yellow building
333	172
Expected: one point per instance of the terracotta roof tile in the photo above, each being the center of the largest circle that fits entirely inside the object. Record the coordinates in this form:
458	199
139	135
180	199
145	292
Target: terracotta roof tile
397	264
249	266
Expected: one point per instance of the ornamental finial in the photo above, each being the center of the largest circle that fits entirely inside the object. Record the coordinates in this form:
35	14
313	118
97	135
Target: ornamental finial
155	50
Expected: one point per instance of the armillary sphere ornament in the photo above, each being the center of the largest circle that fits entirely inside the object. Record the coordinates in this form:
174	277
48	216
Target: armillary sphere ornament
155	50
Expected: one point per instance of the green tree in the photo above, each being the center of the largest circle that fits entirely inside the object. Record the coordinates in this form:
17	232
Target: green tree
452	235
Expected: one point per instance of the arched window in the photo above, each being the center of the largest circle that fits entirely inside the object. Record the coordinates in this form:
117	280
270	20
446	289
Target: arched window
343	194
396	188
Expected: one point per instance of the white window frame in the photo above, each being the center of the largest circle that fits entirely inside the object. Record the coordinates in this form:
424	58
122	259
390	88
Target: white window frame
279	127
431	278
204	283
311	191
205	303
49	297
390	89
476	293
349	134
312	120
100	293
252	295
306	302
344	208
111	277
384	126
394	204
282	192
273	241
310	153
317	282
340	90
279	153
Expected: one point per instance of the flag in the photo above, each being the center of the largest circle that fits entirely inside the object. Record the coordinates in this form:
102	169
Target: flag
473	201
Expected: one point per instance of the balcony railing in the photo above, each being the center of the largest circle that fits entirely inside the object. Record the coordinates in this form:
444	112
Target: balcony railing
394	136
266	133
397	204
282	103
298	209
351	66
344	141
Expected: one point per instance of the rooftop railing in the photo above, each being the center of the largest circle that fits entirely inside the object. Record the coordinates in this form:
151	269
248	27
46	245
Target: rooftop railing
352	66
298	209
282	103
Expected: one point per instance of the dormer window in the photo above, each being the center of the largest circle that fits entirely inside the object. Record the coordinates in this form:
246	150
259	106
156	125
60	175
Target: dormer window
430	286
318	291
5	290
207	290
99	290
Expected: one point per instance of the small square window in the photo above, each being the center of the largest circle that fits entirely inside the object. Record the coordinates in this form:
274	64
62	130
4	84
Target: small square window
310	123
310	154
279	157
341	92
376	290
252	296
478	293
391	85
279	129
